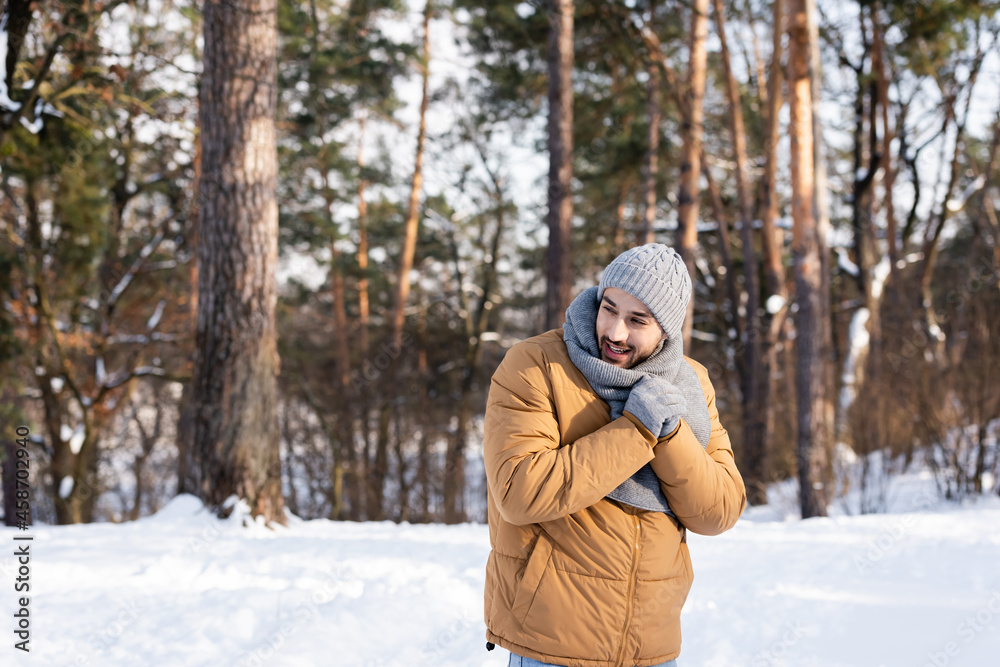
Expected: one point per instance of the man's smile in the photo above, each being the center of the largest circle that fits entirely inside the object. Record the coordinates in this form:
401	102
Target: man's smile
614	353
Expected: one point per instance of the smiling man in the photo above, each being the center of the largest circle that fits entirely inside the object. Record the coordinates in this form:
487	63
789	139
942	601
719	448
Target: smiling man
602	448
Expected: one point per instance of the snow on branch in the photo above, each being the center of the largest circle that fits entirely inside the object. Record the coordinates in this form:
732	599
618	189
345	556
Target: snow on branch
146	251
956	204
845	263
6	104
121	378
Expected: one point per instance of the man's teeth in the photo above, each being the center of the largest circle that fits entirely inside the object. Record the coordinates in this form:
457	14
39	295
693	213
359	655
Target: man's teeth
617	350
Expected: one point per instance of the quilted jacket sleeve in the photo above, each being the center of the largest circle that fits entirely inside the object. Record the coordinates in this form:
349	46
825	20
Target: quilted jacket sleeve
702	485
532	475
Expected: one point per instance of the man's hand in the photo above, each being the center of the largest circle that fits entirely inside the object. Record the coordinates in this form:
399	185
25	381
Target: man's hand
657	404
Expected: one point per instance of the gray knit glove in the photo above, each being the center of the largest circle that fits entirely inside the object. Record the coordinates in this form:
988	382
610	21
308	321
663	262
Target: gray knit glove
658	404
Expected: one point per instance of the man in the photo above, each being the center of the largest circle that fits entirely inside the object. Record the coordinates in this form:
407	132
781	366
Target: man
603	447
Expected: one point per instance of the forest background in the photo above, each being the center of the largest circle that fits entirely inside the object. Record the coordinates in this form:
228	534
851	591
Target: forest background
438	182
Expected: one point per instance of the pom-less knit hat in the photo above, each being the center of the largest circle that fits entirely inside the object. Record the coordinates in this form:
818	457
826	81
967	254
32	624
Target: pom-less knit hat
657	276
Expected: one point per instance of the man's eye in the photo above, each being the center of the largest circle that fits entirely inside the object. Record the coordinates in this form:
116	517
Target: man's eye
641	323
608	308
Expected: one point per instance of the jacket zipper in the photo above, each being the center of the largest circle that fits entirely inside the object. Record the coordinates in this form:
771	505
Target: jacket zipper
629	602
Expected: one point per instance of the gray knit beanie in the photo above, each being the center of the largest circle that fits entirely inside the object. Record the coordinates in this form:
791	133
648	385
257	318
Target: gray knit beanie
657	276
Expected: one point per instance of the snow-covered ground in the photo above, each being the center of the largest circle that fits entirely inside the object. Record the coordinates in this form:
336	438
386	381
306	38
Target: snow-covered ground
917	587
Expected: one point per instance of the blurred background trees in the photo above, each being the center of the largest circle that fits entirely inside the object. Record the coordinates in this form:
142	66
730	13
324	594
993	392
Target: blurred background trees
843	246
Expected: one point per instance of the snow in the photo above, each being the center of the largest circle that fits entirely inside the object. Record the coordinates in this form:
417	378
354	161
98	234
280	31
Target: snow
34	126
128	338
6	103
65	486
845	263
76	441
858	339
100	372
774	304
120	287
880	274
956	204
706	271
41	106
154	319
183	587
73	436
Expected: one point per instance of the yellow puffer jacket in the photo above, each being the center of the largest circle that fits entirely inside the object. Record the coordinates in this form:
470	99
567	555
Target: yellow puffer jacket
575	578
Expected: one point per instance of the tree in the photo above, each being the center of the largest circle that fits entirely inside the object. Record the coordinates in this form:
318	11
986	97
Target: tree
809	370
413	210
559	276
402	291
15	19
692	129
92	278
753	369
235	431
651	168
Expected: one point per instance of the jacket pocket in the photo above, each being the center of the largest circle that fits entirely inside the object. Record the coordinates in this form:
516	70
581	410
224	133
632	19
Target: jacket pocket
533	571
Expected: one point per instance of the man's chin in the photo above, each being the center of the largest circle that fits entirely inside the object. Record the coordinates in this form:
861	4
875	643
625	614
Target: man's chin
623	363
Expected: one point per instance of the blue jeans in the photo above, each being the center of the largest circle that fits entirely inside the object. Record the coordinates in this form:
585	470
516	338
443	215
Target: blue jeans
519	661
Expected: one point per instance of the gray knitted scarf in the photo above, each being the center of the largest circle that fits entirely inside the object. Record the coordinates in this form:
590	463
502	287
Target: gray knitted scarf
613	384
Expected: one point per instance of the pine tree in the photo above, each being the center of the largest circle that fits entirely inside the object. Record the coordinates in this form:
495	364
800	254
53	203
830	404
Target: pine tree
235	435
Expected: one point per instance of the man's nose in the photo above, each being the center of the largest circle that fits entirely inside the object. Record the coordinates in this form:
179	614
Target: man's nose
619	332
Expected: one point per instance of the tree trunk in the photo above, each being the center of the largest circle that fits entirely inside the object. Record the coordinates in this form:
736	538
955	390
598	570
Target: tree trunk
343	440
380	466
413	212
422	478
889	179
821	213
652	166
8	468
15	18
401	474
83	499
12	417
925	268
77	466
692	129
187	463
80	468
146	443
863	179
989	213
618	239
363	314
426	422
236	437
343	437
867	434
725	258
389	386
772	241
559	279
477	322
356	463
754	412
285	408
808	281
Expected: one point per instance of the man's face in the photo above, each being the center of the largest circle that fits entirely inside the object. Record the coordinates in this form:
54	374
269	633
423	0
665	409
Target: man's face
626	331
